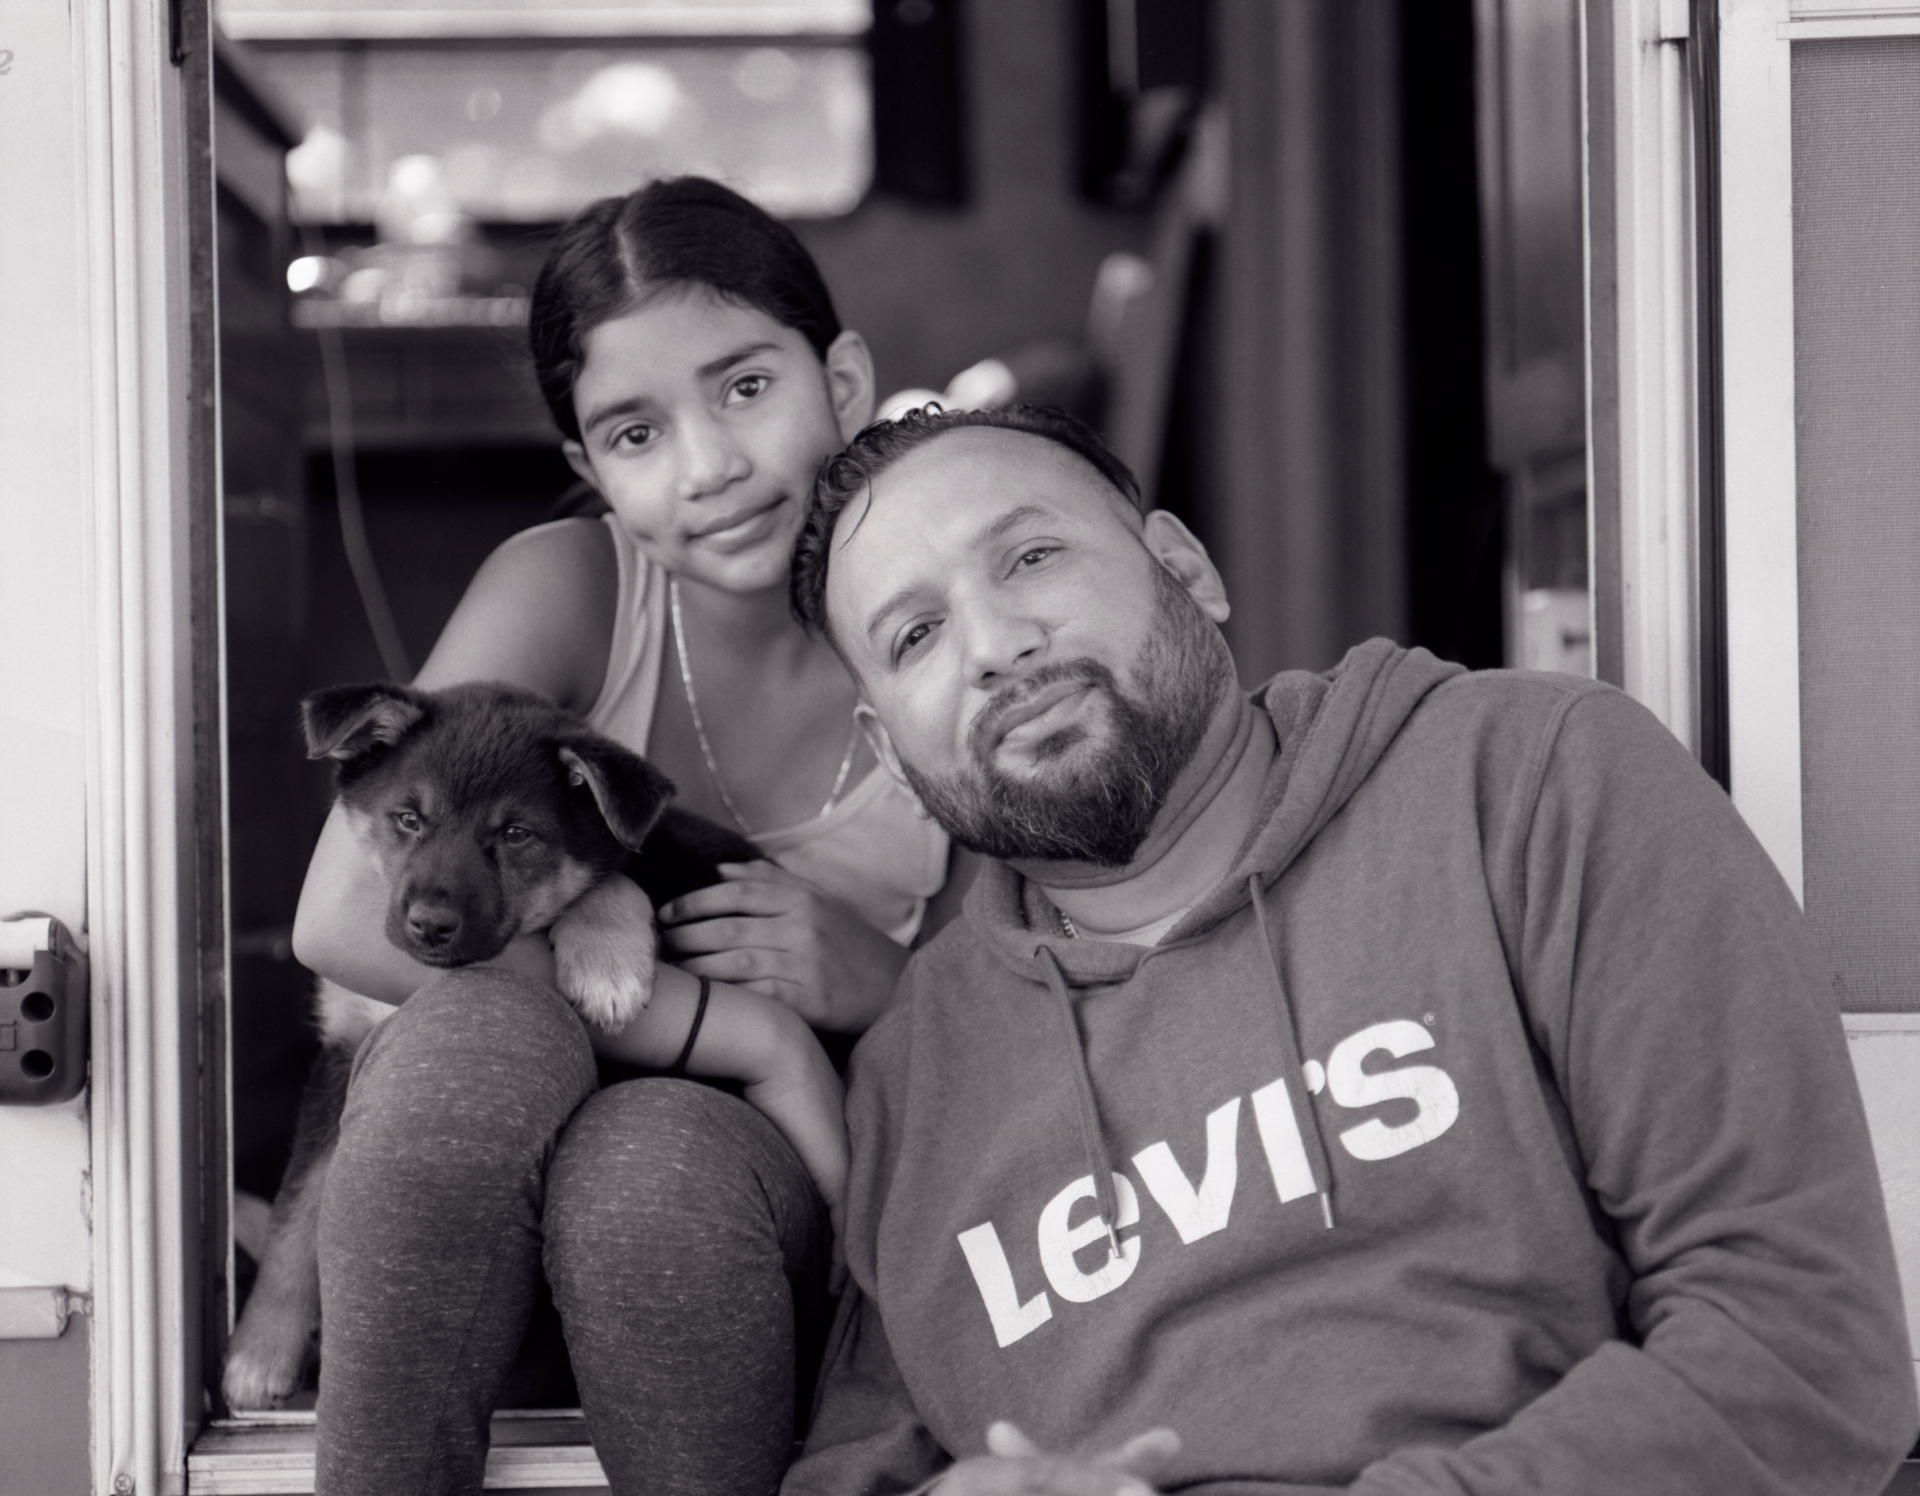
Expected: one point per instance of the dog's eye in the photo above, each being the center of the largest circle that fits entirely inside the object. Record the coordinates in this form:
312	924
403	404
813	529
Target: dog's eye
516	836
408	821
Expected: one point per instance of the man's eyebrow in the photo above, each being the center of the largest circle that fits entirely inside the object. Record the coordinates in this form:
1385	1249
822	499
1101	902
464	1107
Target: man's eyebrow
898	600
1012	519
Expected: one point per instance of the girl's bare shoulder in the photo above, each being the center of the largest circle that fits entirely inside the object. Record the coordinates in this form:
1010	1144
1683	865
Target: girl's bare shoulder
538	613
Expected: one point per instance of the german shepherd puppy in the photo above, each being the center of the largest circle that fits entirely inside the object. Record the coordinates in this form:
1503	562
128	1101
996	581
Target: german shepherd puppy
492	812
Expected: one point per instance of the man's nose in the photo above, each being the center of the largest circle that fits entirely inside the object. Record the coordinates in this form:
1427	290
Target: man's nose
1001	644
711	458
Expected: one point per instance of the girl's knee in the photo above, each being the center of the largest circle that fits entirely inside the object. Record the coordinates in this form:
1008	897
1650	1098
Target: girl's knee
673	1167
474	1057
502	1024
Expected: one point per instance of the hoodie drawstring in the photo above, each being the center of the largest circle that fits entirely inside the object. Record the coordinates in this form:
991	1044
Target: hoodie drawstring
1097	1163
1304	1115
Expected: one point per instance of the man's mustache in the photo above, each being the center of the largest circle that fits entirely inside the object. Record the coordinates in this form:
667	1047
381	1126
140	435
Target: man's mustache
985	732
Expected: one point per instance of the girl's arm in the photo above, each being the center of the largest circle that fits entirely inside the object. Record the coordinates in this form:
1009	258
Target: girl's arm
758	1041
539	614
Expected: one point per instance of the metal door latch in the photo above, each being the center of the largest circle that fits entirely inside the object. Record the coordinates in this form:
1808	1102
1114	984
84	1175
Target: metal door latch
43	1012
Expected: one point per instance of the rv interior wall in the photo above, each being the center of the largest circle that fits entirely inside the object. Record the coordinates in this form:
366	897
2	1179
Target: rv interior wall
1312	491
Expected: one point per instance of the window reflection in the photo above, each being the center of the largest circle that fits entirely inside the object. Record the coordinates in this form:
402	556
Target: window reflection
426	121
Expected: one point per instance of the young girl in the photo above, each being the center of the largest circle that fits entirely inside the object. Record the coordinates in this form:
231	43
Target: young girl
690	354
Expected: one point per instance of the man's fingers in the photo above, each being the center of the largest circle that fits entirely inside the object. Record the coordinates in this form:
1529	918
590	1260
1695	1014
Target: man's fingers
1019	1465
1145	1455
1038	1475
1008	1442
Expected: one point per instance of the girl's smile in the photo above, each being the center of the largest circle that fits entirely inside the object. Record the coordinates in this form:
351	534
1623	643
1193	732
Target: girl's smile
703	422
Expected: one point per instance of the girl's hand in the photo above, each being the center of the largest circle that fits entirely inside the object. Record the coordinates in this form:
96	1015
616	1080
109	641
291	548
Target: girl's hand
773	932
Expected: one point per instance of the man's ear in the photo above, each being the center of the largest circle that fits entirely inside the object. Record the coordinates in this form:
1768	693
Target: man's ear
630	792
576	455
849	366
347	722
1176	547
881	742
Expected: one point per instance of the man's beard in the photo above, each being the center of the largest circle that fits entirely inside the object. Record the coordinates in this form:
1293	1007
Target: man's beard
1101	811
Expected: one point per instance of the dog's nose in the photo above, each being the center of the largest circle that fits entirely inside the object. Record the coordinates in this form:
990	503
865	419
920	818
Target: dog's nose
432	924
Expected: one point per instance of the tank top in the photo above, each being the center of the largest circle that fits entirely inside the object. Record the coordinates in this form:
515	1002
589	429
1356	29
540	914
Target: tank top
875	849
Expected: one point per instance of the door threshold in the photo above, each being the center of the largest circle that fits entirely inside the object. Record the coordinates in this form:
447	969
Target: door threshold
271	1454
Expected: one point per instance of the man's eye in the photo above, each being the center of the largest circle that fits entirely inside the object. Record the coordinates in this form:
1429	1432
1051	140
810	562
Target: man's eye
516	836
749	387
912	639
408	821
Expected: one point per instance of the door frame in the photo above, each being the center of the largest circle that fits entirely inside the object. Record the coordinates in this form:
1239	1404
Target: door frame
149	486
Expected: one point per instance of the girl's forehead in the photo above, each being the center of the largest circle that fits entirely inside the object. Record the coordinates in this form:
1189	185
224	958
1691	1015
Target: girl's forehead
682	330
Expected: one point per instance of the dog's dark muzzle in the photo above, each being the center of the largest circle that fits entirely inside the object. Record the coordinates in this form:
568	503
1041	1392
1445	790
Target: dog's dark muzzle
449	913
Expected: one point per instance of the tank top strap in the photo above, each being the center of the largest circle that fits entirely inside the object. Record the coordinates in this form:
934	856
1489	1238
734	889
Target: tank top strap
628	695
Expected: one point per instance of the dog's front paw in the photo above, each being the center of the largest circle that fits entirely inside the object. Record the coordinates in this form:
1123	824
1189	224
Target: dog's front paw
267	1358
604	950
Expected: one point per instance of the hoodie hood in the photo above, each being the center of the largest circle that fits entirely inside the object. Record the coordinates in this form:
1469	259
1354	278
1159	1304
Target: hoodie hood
1332	730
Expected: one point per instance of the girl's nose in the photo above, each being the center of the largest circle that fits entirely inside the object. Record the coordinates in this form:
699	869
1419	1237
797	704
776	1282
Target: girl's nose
710	458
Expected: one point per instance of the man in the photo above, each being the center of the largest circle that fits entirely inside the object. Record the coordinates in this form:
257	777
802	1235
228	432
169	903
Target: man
1399	1081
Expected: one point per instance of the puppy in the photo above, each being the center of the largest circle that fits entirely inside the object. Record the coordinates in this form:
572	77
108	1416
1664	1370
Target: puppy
491	812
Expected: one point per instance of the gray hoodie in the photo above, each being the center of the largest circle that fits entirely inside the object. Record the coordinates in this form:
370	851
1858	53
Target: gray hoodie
1489	1129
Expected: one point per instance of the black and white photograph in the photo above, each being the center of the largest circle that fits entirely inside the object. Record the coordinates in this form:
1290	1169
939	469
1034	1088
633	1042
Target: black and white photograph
960	747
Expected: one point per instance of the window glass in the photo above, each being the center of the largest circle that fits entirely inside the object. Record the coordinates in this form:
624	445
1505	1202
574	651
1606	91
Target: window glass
1856	222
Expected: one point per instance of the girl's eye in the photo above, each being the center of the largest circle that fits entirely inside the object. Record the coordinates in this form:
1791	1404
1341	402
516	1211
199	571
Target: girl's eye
634	436
516	836
749	387
408	821
1034	556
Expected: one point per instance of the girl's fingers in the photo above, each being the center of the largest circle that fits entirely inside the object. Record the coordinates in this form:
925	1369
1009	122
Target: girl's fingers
759	896
771	872
702	936
735	966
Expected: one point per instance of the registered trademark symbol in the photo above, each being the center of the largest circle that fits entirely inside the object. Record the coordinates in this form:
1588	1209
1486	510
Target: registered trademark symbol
1427	1019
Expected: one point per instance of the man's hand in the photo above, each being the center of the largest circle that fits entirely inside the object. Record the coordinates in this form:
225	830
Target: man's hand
774	933
1015	1467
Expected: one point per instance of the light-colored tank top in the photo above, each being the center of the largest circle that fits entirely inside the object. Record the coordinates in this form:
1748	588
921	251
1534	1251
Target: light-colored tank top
875	849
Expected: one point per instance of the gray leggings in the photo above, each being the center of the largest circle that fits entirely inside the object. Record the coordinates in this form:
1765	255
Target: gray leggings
685	1246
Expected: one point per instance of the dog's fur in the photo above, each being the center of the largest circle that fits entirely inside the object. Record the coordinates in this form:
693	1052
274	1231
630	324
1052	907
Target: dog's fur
490	812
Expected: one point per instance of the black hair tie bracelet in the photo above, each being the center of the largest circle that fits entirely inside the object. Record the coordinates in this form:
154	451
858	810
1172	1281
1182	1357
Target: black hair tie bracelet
679	1066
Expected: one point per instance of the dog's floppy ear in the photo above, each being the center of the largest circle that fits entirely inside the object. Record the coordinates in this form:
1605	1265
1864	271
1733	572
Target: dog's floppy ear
344	722
630	792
